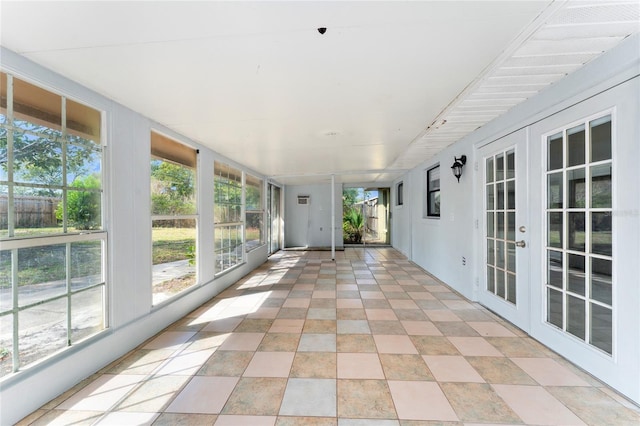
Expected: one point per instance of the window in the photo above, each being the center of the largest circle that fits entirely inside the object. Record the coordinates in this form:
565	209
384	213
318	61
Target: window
433	192
52	290
173	217
579	232
399	194
228	217
254	212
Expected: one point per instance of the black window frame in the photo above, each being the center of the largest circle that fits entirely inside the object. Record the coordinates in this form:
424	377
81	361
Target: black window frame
434	191
400	194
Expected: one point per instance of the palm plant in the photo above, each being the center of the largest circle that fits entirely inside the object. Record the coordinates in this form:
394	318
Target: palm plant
352	226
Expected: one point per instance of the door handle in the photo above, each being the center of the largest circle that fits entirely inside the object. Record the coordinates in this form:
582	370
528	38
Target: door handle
521	244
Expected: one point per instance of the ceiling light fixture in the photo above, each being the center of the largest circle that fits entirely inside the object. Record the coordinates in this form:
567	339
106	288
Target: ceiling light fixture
322	30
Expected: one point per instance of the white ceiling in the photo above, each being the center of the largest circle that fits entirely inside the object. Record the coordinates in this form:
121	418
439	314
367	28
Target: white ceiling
256	82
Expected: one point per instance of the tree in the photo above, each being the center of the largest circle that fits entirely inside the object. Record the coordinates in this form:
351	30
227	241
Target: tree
173	188
37	156
83	207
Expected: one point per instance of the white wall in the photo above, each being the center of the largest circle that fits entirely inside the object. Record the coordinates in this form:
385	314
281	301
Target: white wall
310	225
438	245
132	319
401	216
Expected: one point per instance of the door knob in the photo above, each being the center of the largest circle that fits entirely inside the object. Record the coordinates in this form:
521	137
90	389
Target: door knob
521	243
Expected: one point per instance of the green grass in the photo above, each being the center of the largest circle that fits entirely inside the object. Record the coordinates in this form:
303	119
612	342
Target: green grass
44	264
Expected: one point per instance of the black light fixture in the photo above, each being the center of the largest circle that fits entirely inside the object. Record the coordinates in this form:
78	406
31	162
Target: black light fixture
458	163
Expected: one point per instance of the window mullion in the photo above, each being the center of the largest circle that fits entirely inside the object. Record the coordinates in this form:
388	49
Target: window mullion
10	159
14	294
68	282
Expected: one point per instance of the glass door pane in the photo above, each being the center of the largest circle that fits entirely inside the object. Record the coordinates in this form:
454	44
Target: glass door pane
500	217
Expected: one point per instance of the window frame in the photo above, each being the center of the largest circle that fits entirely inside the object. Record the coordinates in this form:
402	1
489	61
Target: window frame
69	234
564	250
172	151
236	227
251	210
428	213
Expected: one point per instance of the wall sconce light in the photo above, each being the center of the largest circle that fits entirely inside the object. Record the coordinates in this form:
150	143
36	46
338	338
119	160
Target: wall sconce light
458	163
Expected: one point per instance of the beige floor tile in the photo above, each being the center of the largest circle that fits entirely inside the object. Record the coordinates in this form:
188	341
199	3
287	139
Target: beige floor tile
297	303
394	344
381	314
258	396
442	315
264	313
387	327
365	399
490	328
534	405
242	342
234	420
420	401
279	342
185	363
434	345
169	340
478	402
153	394
516	347
548	372
205	395
319	326
287	326
226	363
65	418
141	362
446	368
500	370
359	366
322	365
184	419
355	343
102	393
474	346
306	421
405	367
270	364
253	325
456	328
204	341
594	406
353	327
125	418
222	325
403	304
421	328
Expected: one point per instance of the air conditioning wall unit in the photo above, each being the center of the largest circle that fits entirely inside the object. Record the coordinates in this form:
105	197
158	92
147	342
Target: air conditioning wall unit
303	200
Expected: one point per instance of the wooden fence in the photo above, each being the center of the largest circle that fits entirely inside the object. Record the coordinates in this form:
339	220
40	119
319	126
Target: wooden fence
30	211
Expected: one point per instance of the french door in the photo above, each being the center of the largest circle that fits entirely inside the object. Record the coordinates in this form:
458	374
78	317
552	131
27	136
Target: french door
503	226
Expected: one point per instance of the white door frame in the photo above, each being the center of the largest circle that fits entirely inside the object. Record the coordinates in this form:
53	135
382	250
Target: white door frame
519	313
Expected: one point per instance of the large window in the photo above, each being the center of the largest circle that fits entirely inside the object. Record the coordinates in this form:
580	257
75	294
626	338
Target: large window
254	212
52	239
174	216
433	192
579	232
228	216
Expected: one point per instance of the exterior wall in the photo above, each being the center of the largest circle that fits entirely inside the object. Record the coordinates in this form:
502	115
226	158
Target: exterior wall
310	225
438	245
132	319
401	216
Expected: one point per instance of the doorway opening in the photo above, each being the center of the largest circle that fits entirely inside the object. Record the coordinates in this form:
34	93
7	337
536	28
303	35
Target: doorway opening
365	217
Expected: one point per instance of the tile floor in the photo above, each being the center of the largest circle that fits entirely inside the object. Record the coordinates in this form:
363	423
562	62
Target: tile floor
370	339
